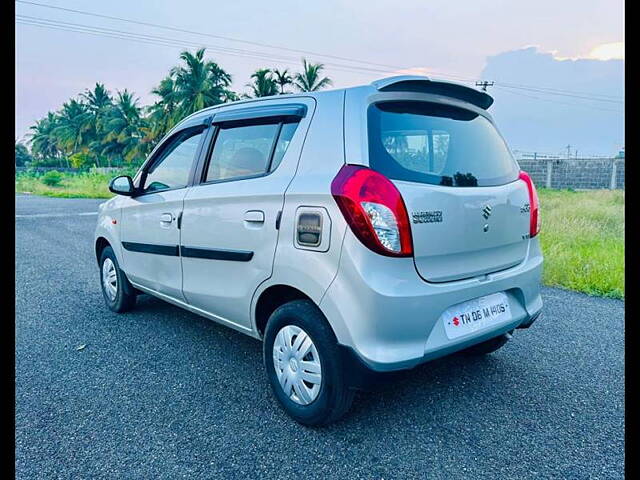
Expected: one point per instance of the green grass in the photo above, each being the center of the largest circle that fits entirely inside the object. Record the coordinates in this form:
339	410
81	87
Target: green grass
582	232
583	240
82	185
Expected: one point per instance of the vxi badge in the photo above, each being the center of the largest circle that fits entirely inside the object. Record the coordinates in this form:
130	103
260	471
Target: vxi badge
432	216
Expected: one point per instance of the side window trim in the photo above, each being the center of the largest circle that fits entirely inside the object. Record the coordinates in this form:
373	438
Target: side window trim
205	156
207	159
262	113
152	161
276	139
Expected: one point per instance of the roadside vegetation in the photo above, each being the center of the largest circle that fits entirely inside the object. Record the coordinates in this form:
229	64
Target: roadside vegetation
99	128
583	240
67	185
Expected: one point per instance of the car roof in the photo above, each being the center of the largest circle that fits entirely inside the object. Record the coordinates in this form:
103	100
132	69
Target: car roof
396	83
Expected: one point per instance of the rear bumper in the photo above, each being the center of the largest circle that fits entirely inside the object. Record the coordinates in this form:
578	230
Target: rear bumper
383	312
360	375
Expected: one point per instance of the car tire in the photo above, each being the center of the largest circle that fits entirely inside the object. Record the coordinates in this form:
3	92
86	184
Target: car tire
118	293
326	398
488	346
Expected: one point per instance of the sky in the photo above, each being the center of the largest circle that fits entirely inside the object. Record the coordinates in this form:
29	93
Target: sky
572	46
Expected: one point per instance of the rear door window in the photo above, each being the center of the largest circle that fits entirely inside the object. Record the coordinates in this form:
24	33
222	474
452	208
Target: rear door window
244	151
437	144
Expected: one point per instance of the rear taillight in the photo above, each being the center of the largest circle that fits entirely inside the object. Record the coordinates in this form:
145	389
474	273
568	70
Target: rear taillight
374	209
534	207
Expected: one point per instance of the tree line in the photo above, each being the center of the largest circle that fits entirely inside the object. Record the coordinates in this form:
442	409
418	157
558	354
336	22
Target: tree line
100	129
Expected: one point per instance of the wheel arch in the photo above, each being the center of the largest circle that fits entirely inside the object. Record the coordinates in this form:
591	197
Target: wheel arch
273	297
100	245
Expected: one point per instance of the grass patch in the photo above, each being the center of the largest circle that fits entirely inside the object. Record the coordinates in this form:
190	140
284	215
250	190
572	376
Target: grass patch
583	240
80	185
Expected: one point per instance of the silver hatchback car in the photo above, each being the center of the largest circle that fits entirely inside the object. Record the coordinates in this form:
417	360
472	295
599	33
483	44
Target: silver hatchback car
360	230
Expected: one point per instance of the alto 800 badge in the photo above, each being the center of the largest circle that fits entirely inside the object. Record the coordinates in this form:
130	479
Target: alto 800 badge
432	216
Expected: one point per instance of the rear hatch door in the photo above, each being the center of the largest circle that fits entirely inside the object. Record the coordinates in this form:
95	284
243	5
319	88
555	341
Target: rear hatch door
465	232
468	210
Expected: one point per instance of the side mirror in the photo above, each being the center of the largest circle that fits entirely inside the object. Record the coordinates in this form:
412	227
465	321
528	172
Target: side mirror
122	185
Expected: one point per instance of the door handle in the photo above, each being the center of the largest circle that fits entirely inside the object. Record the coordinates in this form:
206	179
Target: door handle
255	216
166	218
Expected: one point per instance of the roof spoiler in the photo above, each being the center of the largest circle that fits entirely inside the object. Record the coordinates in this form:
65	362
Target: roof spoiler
416	83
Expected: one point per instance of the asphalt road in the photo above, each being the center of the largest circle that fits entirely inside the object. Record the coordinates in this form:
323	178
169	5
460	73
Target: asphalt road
160	392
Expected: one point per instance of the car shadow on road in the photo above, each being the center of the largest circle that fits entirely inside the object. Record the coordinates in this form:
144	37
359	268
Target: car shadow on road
439	385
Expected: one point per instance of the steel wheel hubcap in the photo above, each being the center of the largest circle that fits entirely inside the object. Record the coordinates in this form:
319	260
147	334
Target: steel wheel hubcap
109	279
297	364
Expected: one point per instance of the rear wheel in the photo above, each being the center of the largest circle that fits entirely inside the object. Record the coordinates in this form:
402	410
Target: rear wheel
488	346
301	357
118	293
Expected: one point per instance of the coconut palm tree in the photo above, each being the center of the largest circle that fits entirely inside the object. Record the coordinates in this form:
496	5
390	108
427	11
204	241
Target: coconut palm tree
125	126
199	83
162	114
309	80
98	102
229	96
43	141
282	78
73	130
96	124
98	99
263	84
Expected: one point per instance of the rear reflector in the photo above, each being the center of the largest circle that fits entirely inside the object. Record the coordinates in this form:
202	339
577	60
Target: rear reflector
534	207
374	210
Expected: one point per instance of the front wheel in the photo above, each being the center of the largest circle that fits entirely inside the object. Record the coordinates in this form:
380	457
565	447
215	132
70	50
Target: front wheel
118	293
302	360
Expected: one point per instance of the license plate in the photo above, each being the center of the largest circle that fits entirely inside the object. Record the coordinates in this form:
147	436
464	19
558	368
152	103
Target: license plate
477	314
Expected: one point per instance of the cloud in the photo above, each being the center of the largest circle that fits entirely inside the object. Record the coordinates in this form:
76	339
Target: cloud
608	51
543	103
603	52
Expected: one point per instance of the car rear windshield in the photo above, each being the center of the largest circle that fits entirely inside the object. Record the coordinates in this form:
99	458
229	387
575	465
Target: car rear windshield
437	144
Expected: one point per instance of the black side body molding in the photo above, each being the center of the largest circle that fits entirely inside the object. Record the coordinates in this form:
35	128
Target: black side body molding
169	250
190	252
216	254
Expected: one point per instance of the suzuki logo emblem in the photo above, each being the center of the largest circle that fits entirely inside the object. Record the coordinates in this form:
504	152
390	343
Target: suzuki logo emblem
486	212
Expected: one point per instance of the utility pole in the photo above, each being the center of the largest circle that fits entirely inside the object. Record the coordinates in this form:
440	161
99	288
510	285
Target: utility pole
568	151
484	84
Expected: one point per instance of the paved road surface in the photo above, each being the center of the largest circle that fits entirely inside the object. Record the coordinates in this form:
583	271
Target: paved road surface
160	392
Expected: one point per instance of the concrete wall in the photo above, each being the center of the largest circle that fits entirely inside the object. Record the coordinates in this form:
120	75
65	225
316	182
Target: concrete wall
580	173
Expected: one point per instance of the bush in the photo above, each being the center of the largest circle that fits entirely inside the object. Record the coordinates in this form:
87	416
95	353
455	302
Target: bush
79	160
52	178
